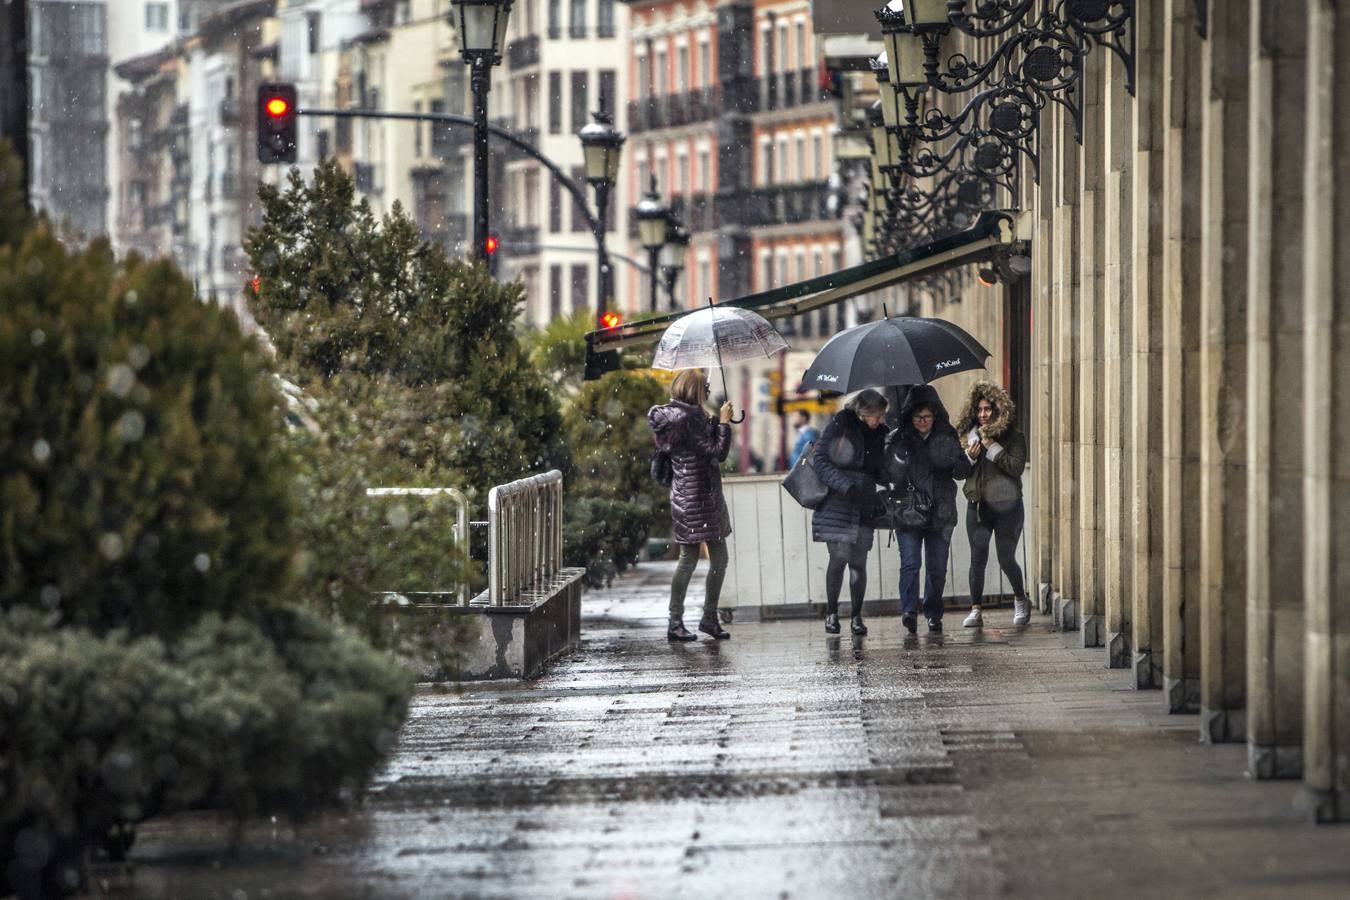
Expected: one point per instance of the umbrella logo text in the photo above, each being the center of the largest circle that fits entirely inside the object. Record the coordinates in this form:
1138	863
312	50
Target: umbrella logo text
829	378
946	364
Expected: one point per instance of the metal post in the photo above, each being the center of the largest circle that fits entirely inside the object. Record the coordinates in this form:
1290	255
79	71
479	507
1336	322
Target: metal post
480	82
672	276
652	264
606	276
14	87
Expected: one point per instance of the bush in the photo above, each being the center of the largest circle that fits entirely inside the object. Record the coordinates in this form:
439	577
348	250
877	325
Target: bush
143	476
604	536
100	732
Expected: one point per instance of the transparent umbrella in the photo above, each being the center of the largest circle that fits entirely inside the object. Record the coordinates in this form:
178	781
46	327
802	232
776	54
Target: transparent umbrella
715	336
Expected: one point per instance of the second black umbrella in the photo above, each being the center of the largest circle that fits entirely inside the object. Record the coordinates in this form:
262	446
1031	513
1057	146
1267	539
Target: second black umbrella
900	350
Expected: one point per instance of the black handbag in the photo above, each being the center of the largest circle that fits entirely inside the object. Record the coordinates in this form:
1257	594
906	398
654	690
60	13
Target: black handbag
911	508
803	484
663	469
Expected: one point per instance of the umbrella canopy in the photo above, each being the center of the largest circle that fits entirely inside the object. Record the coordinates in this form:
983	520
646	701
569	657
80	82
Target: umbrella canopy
716	336
901	350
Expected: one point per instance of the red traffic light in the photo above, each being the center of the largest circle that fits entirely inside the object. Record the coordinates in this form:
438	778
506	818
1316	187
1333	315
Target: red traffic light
278	107
490	245
610	319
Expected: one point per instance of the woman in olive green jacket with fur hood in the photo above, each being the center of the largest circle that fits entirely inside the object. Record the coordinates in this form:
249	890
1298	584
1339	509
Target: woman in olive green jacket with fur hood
998	454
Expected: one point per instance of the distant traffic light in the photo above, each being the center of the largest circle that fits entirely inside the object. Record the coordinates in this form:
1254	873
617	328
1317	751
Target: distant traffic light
490	247
610	319
276	123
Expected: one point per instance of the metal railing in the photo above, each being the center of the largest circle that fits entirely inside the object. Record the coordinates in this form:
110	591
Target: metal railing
461	518
524	538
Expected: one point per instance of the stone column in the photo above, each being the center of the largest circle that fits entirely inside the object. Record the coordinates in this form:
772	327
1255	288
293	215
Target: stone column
1064	175
1326	296
1181	422
1040	431
1146	362
1223	376
1117	295
1275	365
1091	248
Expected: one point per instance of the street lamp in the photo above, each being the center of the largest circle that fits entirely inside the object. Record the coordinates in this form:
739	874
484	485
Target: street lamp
673	253
602	145
482	29
653	218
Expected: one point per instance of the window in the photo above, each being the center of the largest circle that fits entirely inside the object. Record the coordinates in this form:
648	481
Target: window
705	288
783	46
578	175
662	73
801	157
609	97
580	286
682	69
555	207
157	17
705	78
644	77
704	171
555	14
801	45
766	162
682	172
580	101
417	131
312	22
555	102
578	29
818	154
554	292
782	169
765	270
456	88
604	25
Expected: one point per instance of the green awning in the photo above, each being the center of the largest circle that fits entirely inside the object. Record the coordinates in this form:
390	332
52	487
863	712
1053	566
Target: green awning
994	230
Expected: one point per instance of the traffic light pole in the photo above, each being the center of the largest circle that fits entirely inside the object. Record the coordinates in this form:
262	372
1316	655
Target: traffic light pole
578	194
480	82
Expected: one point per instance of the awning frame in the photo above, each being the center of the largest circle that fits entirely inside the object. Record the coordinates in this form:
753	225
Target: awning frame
992	232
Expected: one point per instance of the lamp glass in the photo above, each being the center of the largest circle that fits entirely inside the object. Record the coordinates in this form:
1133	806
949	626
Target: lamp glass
651	227
928	12
478	26
906	56
672	255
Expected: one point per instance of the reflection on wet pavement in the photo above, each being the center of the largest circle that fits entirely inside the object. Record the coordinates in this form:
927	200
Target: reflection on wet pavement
782	763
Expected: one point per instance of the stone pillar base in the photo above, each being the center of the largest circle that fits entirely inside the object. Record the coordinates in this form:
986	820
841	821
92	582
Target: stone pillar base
1222	726
1147	676
1327	806
1065	611
1183	694
1267	762
1118	654
1043	598
1094	629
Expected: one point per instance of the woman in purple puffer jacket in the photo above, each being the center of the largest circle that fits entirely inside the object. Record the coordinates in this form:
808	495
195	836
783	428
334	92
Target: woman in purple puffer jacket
698	513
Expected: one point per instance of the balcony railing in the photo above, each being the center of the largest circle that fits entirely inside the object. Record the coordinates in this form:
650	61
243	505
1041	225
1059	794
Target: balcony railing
520	240
784	90
523	52
529	136
778	205
672	110
447	140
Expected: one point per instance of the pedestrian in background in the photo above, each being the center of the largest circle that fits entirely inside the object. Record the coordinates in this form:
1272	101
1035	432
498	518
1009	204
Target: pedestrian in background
806	434
848	459
998	454
697	445
924	457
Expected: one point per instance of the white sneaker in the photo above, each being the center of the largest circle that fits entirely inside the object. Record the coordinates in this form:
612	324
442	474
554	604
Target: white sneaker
1021	612
975	619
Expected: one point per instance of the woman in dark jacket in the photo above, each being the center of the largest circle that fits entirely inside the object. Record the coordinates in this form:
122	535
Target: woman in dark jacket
848	459
698	512
998	454
924	450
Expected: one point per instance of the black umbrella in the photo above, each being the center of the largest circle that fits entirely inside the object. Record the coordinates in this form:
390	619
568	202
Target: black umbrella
900	350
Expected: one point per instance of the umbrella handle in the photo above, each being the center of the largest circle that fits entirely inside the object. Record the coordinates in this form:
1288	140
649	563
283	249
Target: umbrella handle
737	421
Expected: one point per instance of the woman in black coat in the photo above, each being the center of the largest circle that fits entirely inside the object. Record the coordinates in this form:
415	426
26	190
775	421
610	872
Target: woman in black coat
924	451
698	513
848	459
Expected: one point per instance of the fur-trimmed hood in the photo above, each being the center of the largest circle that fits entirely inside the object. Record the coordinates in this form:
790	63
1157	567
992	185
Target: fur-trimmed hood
1004	411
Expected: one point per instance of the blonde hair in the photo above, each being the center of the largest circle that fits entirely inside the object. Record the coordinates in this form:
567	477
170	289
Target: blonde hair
868	403
689	387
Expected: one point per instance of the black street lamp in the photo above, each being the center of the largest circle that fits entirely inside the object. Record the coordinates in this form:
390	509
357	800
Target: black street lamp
482	30
673	253
653	218
602	145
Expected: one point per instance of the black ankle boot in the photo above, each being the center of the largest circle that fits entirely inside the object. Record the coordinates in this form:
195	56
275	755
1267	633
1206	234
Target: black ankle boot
832	623
713	628
677	632
858	626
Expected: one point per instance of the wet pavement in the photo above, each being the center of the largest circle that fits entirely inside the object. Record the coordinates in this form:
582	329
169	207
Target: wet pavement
783	763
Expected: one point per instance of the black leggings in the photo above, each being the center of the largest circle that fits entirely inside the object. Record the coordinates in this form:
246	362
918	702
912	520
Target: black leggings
1007	528
852	556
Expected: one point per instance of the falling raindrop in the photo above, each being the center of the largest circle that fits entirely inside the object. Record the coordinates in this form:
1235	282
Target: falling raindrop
398	516
139	356
50	595
201	562
38	337
42	451
131	426
130	297
110	545
121	379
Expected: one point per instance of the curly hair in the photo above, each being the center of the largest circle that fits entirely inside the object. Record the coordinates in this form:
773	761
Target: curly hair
1004	410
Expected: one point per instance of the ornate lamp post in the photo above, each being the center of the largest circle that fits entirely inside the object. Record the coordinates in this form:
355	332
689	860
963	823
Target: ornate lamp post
653	217
673	252
602	145
482	30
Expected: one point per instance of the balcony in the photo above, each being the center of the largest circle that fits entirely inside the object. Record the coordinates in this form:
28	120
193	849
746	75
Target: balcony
523	52
784	90
778	205
229	110
520	240
529	136
448	140
672	110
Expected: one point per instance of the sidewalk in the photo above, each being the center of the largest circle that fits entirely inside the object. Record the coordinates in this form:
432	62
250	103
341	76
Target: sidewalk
787	763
